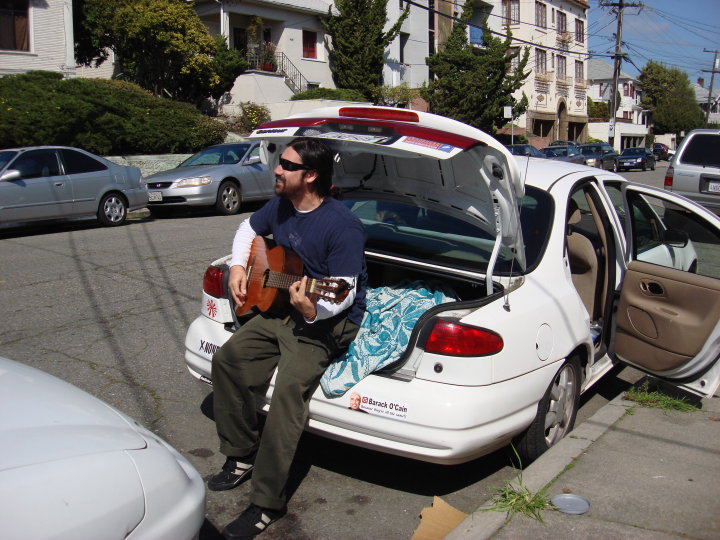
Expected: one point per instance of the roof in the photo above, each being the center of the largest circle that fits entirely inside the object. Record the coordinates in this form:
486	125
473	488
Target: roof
701	93
600	70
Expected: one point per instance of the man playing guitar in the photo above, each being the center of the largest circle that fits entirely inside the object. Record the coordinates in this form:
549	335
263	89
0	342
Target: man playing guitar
301	342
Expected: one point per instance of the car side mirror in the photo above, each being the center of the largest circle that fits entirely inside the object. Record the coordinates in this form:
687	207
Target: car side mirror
675	238
10	175
252	160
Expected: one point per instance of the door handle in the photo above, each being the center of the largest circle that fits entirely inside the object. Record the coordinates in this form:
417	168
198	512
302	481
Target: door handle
652	287
59	184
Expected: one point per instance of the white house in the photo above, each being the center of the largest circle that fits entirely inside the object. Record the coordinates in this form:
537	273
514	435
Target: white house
631	127
36	35
701	96
292	32
555	32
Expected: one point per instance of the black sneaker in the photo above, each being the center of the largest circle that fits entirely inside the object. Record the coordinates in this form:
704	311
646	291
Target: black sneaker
252	522
233	473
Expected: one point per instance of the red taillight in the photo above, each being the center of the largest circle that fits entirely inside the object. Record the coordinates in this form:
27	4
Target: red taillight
214	282
399	115
669	177
456	339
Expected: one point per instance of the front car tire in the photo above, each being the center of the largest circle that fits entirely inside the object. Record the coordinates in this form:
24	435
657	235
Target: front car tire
228	198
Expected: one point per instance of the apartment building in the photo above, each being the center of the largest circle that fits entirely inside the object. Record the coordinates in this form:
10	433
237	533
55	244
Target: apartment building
631	126
555	33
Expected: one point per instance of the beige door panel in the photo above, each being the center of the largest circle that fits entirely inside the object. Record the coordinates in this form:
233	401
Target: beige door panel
665	316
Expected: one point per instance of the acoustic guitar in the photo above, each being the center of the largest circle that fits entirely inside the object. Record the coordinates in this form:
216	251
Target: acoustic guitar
272	269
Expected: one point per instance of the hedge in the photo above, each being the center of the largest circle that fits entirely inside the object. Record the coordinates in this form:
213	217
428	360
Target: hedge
340	94
99	115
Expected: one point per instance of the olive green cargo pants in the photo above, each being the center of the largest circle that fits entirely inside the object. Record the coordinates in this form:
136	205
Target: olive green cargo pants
245	364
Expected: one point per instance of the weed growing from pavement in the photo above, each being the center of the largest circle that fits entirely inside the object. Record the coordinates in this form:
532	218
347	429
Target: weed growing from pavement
646	398
519	499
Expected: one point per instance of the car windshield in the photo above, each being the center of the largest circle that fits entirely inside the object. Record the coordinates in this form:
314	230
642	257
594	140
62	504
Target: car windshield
703	149
5	158
556	151
590	149
430	235
633	151
217	155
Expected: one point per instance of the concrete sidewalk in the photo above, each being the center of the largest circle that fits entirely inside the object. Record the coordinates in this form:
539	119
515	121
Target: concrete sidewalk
646	473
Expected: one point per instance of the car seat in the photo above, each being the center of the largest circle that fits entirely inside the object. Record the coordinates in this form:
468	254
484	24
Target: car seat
583	261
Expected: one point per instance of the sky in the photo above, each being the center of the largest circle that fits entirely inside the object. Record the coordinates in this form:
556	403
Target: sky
672	32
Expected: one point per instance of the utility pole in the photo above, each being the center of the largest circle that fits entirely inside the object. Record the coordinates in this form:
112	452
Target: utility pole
618	56
713	71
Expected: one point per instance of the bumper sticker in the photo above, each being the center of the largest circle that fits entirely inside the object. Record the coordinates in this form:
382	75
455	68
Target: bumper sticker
381	407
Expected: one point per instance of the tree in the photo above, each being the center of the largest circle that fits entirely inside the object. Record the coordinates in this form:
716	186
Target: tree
358	43
162	45
667	93
474	84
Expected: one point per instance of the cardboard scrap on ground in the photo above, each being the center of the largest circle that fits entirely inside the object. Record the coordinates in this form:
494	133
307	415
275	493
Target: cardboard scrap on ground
437	521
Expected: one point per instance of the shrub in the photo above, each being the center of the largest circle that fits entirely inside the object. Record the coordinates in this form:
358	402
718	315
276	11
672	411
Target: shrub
101	116
253	115
339	94
394	96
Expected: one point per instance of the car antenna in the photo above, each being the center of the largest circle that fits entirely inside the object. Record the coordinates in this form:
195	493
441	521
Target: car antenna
506	302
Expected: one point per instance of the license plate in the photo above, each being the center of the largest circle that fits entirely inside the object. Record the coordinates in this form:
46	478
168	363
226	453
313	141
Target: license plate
155	196
714	187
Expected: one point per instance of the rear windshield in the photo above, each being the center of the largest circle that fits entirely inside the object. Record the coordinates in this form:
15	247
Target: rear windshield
403	229
590	149
702	149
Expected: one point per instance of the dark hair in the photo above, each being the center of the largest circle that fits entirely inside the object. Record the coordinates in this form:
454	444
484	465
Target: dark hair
316	155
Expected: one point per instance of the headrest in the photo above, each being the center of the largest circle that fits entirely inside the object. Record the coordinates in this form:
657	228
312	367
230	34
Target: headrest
573	213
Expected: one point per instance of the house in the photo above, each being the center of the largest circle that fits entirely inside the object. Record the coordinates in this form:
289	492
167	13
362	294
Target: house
36	35
701	96
291	47
555	32
631	122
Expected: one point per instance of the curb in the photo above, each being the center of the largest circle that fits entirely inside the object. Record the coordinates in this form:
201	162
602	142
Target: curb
483	524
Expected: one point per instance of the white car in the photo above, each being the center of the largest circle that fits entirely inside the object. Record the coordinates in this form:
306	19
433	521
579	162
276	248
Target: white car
72	467
557	271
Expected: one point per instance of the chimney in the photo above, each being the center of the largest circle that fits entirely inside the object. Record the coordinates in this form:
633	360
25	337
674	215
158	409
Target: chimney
701	82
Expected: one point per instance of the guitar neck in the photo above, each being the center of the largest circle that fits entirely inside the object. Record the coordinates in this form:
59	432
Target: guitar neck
279	280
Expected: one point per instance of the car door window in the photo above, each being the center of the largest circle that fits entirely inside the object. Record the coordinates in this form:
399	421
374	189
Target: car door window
692	243
37	163
77	163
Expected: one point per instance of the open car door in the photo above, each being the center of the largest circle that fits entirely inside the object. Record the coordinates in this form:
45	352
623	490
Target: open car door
668	311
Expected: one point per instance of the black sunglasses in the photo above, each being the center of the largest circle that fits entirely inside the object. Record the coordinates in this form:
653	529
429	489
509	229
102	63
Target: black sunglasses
292	166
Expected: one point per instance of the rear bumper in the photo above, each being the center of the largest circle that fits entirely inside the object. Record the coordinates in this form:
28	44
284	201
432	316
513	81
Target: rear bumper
419	419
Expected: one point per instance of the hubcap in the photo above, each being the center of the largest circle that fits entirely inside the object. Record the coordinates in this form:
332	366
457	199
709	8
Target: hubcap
561	405
114	209
230	198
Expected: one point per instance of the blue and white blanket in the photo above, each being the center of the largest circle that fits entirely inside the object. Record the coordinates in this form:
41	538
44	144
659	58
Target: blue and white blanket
384	333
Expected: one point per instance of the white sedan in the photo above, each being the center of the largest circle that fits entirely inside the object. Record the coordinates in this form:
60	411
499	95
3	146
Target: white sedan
74	468
550	273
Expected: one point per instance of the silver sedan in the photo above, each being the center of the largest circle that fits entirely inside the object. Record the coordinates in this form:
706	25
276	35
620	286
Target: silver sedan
49	182
222	176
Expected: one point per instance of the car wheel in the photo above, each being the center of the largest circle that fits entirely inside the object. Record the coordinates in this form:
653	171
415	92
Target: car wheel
112	210
644	167
614	166
652	167
228	199
556	413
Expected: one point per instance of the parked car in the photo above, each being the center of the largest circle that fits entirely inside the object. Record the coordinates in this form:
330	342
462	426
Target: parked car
661	151
72	466
525	150
600	155
223	176
570	154
51	182
564	143
636	158
695	169
546	283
